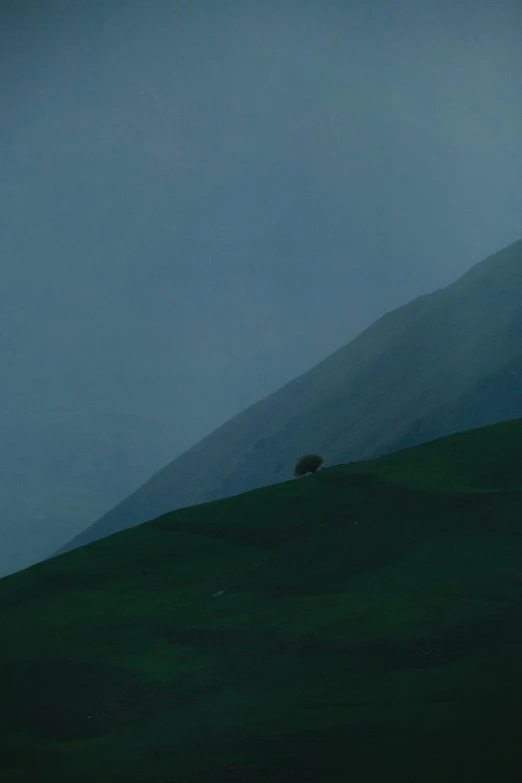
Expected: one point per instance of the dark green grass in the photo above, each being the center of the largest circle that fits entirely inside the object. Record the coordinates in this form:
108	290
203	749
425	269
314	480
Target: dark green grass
361	624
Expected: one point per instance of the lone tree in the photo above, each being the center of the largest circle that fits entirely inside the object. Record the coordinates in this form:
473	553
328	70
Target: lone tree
308	464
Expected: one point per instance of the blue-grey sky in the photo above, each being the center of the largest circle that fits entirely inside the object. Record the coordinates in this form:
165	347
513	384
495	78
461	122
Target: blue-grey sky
200	201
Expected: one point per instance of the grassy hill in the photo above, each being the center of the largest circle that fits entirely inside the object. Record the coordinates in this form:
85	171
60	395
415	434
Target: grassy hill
361	624
443	363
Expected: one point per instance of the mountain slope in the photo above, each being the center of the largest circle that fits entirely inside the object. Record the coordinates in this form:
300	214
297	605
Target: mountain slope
396	384
367	619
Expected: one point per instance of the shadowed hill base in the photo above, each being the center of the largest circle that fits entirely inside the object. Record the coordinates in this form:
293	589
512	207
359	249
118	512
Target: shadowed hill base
363	623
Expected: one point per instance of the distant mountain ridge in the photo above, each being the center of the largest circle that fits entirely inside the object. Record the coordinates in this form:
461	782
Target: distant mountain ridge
447	361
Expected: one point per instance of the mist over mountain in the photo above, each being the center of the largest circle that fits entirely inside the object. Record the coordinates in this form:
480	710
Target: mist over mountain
199	203
60	469
445	362
233	234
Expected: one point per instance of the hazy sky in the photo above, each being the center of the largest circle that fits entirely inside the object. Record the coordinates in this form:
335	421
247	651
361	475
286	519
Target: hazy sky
199	201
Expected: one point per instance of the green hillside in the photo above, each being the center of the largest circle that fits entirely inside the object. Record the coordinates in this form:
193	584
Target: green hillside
443	363
361	624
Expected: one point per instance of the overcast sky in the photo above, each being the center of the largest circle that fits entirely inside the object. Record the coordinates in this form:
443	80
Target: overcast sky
199	201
